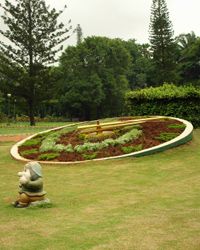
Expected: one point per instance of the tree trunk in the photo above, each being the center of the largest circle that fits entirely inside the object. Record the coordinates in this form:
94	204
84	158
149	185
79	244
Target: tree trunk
31	73
31	113
87	114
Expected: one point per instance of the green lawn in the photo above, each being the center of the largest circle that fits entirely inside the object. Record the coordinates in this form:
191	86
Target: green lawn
25	128
144	203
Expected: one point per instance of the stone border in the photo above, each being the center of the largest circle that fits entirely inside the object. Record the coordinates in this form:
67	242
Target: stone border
183	138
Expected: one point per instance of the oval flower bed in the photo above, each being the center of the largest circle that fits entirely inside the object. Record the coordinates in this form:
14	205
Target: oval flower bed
71	144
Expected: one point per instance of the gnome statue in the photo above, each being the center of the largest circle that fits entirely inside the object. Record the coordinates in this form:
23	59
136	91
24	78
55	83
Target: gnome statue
31	185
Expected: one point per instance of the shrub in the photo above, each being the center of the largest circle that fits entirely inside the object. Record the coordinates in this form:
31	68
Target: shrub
130	149
133	134
181	126
89	146
29	152
82	136
49	143
166	136
32	142
168	100
90	156
48	156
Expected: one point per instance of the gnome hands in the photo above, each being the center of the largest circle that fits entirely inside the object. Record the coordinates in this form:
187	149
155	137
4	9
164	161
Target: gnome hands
24	176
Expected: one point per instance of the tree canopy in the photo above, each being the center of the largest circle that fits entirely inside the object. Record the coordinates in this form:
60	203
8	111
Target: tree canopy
34	38
162	42
94	76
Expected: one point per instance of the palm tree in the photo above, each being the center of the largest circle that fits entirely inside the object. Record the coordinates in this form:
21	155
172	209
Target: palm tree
186	40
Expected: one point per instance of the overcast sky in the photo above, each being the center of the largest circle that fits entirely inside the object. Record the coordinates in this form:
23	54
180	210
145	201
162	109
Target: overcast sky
125	19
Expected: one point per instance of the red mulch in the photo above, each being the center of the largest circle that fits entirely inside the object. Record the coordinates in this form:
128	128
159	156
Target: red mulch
150	129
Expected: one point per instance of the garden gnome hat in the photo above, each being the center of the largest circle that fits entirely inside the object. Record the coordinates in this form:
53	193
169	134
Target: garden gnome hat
35	166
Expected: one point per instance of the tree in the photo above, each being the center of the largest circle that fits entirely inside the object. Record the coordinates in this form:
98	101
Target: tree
34	38
186	40
93	78
189	61
79	34
141	64
162	42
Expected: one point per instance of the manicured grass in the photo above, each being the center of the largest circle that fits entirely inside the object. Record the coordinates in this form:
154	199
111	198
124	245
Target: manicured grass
142	203
25	128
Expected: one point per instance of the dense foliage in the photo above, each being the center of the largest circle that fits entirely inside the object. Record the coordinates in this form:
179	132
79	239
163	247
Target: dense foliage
92	76
169	100
35	37
162	42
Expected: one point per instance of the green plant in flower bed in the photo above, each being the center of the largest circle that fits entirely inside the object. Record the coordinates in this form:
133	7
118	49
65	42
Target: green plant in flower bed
130	149
89	146
29	152
90	156
81	136
49	143
177	125
32	142
128	128
48	156
36	140
166	136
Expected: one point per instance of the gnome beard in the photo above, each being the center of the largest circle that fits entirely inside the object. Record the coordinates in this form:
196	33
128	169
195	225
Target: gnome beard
24	177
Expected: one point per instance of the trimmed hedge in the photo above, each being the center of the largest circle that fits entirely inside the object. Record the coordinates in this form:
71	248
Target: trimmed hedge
167	100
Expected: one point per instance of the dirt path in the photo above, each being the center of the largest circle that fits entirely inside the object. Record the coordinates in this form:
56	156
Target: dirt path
14	138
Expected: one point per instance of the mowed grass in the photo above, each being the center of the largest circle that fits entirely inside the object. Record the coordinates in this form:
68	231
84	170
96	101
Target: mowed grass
145	203
25	128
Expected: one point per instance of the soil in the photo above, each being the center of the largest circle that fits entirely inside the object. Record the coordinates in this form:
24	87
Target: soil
10	138
151	129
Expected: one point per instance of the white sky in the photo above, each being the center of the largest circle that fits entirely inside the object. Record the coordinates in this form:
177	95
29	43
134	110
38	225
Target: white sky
126	19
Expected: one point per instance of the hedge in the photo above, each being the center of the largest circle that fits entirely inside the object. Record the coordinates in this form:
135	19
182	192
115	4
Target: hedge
168	100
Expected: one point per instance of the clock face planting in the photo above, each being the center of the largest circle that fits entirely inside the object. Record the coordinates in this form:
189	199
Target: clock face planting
101	139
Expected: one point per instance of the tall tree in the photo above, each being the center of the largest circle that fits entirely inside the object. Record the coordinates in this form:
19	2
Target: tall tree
186	40
141	64
189	60
94	77
162	42
32	40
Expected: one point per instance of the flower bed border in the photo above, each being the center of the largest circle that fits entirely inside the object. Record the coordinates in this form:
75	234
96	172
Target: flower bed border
183	138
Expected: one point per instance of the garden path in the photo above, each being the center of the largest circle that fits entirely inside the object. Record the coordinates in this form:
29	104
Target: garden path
10	138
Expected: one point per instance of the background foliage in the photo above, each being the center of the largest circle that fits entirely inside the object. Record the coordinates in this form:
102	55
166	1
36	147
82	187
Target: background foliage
92	77
170	100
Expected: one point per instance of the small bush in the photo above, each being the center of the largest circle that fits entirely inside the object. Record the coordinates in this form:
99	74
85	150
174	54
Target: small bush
29	152
48	156
166	136
175	125
130	149
94	146
32	142
49	143
81	137
131	135
89	156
